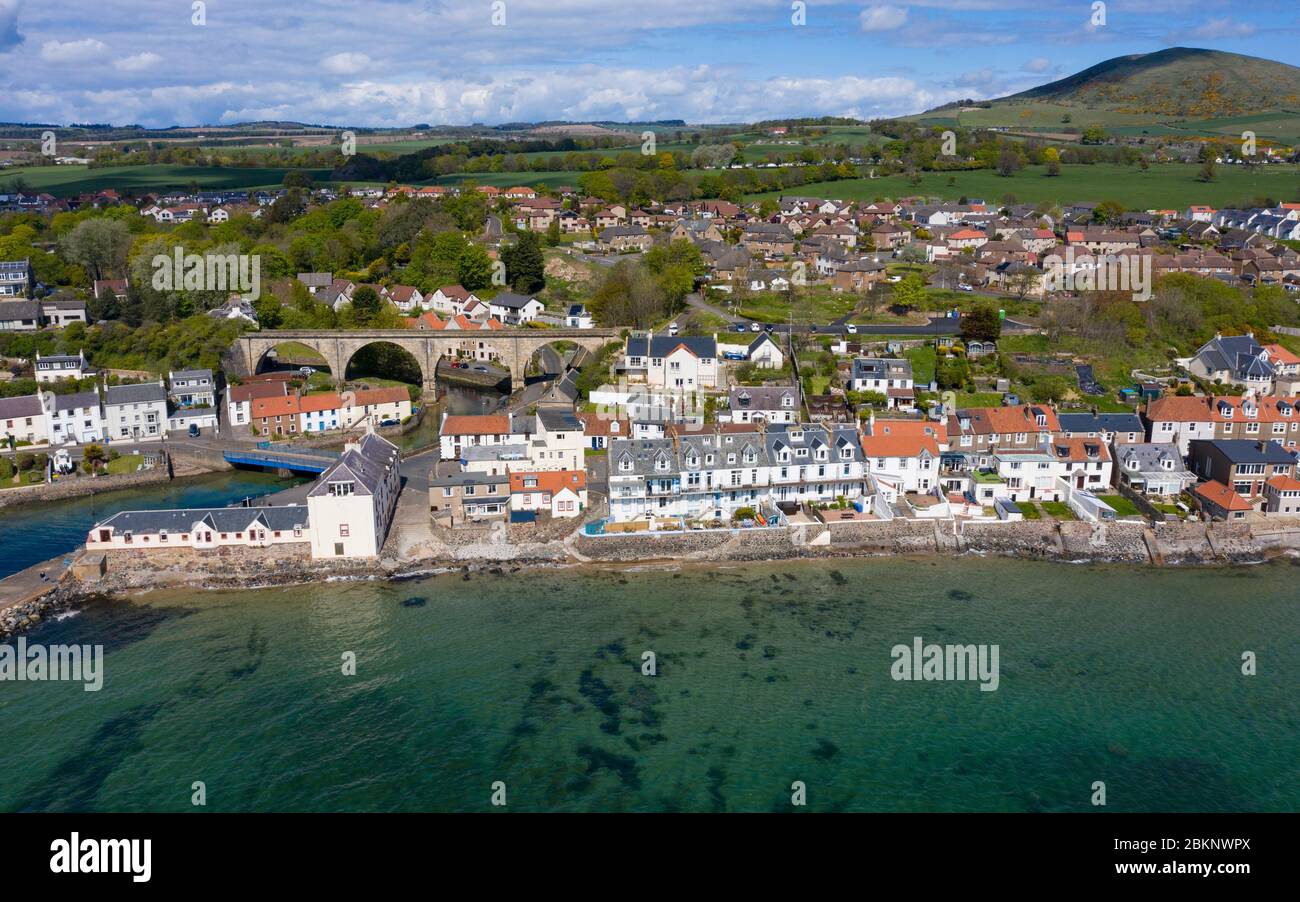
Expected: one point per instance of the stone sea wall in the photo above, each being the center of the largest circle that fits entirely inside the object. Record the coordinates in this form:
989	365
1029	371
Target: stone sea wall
82	485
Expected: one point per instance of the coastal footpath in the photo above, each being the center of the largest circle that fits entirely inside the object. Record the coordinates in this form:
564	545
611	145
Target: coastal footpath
557	544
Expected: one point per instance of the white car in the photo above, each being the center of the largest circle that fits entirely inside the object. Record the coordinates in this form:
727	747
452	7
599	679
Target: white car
851	328
672	328
755	327
964	288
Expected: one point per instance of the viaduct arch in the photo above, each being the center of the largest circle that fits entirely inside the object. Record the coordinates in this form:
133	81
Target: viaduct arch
513	346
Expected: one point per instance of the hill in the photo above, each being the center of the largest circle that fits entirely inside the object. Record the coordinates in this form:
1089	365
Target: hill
1180	81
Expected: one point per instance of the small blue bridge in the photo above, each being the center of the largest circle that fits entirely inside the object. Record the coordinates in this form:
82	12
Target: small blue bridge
295	460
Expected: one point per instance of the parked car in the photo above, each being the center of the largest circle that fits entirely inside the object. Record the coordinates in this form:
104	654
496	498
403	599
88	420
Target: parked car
672	328
390	423
740	327
851	328
194	430
964	287
755	327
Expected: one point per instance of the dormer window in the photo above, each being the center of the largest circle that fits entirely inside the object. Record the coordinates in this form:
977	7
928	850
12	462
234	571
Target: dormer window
340	489
625	463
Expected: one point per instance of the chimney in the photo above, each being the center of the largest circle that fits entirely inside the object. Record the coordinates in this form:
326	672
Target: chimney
871	421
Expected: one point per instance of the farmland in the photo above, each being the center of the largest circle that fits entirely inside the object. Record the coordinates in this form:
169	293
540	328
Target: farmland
1171	186
65	181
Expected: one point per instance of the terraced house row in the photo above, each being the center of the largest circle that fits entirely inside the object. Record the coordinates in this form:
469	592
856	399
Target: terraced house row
712	474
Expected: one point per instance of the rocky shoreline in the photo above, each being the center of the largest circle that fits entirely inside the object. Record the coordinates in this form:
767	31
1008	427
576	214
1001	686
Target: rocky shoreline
1182	544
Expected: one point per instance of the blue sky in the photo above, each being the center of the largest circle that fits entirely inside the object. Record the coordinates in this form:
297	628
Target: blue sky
402	62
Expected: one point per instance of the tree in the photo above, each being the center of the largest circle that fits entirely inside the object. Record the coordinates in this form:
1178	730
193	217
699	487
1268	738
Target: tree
1052	160
1093	134
1207	171
1009	161
366	304
981	324
629	295
93	455
525	266
910	292
474	268
100	245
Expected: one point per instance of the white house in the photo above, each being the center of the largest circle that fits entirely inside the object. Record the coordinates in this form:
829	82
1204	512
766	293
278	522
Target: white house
673	362
74	418
136	411
61	366
769	403
903	455
560	493
515	309
23	420
351	506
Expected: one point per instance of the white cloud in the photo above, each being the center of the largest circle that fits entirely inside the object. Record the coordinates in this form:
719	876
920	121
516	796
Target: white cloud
883	18
1223	28
82	51
9	36
346	63
138	62
1038	64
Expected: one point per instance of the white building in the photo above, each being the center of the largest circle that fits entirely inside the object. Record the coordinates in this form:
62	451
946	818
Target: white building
61	366
769	403
136	411
680	363
74	418
193	388
23	419
351	506
515	309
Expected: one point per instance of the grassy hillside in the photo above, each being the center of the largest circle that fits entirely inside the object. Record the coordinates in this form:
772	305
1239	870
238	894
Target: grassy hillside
1171	186
1179	81
1171	93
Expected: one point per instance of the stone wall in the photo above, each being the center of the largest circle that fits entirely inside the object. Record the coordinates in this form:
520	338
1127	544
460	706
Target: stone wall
75	487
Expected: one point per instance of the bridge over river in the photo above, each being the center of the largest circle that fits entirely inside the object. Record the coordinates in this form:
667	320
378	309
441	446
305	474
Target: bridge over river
513	347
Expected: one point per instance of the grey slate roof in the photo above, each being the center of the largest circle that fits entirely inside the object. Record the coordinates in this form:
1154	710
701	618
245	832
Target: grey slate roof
556	419
1237	354
1100	422
364	464
219	519
76	400
143	393
663	345
10	310
1248	451
1149	457
22	406
510	300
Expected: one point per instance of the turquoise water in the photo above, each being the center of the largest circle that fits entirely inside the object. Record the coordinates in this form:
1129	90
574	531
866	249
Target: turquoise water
767	674
32	533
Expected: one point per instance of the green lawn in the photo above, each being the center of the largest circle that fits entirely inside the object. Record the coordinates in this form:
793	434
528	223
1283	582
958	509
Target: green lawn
1030	510
818	305
923	364
1121	505
127	463
1059	510
1171	185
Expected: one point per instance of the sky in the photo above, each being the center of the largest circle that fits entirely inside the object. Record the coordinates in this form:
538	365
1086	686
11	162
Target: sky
395	63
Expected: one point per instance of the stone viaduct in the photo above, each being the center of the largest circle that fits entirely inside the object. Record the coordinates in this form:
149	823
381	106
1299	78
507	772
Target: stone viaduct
513	347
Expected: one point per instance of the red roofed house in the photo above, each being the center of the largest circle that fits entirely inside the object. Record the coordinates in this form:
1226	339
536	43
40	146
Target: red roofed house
1218	502
1282	495
561	493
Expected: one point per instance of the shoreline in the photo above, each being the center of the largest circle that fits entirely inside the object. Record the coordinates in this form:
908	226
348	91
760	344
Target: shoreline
131	574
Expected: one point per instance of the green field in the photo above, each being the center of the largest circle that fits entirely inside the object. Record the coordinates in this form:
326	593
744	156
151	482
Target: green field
1273	125
1169	186
66	181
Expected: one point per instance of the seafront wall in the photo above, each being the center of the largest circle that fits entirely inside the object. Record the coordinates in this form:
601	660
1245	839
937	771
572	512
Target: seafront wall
81	485
519	548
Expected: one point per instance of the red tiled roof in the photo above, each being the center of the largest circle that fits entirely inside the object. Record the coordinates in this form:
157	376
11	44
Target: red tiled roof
1219	494
476	424
550	481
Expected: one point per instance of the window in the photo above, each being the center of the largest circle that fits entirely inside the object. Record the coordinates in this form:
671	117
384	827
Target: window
339	489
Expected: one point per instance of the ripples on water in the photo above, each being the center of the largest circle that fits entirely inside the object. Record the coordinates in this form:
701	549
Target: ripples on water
767	674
